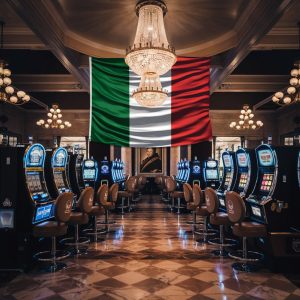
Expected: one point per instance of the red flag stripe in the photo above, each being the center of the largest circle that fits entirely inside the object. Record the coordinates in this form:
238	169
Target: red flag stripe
190	101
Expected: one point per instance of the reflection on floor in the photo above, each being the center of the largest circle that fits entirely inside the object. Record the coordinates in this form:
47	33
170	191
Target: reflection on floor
150	256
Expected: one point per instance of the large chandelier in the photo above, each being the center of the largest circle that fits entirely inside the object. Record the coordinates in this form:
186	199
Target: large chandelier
246	120
151	54
54	119
291	94
7	91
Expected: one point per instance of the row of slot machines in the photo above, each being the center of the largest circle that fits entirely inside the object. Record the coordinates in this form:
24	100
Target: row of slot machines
268	179
112	172
31	178
206	174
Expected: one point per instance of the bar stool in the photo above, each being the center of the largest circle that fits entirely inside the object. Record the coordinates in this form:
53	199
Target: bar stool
219	219
103	197
85	204
125	195
53	229
177	195
236	210
202	211
133	189
191	203
170	187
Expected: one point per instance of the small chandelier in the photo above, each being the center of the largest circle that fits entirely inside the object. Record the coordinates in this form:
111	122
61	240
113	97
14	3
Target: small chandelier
7	92
246	120
151	55
291	94
54	119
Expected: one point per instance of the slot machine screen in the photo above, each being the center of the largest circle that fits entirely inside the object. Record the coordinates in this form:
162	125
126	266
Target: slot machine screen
265	158
242	160
34	157
43	212
7	218
105	169
243	180
212	174
227	180
211	164
227	160
89	174
256	211
196	169
266	182
89	164
59	180
60	157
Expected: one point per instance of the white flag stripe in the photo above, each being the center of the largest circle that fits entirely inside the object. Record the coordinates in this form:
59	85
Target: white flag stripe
151	127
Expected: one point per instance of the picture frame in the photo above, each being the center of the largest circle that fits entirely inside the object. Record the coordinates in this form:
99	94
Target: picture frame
150	162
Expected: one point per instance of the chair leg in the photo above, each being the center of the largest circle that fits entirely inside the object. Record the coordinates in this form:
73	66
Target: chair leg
248	259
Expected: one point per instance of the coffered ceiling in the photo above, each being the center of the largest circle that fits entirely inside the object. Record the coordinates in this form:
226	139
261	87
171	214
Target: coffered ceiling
252	43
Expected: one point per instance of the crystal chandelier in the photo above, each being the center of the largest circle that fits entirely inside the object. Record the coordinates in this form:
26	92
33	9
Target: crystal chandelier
54	119
291	94
7	91
151	55
246	120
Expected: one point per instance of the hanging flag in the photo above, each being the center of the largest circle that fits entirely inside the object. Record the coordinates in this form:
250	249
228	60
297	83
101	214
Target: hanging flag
117	119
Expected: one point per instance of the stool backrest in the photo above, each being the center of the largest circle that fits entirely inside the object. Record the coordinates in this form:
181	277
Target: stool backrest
236	208
131	184
63	207
170	185
102	195
211	199
113	192
197	195
187	192
142	180
158	179
86	200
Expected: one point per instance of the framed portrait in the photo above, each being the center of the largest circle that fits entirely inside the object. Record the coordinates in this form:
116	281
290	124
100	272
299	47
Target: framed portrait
150	161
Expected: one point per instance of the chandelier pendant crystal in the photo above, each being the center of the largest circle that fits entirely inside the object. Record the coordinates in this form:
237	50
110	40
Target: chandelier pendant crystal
290	95
246	120
7	91
54	119
151	55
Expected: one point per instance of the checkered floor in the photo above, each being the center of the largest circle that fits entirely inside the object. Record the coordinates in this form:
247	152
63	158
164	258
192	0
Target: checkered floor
151	255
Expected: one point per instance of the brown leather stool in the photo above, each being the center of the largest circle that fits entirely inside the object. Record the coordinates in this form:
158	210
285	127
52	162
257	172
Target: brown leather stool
201	210
107	198
170	187
236	210
130	186
84	204
142	180
133	200
192	205
53	229
219	219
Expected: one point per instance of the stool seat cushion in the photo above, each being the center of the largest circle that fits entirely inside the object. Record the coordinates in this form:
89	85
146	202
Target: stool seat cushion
249	229
124	194
78	218
177	194
97	210
109	205
49	229
219	218
202	211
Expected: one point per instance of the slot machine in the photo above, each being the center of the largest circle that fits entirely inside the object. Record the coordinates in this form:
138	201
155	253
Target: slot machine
229	177
211	175
75	173
196	172
187	171
180	171
105	171
24	202
56	172
90	173
246	171
274	199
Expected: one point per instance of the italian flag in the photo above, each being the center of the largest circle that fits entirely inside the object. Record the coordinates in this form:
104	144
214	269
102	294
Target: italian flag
117	119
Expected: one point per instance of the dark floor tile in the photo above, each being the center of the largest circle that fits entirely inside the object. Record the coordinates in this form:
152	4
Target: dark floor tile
113	271
151	285
189	271
151	271
108	284
195	285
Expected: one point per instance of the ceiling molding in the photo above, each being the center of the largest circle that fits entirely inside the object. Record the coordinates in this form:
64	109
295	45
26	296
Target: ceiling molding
39	16
253	83
256	20
48	83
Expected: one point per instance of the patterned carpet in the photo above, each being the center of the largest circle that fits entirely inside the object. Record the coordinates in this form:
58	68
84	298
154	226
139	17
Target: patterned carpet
150	256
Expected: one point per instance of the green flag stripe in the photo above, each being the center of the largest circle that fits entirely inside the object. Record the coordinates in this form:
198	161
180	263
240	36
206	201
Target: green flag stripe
110	101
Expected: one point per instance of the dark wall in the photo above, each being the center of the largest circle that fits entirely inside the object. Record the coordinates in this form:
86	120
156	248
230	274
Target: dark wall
99	150
202	150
